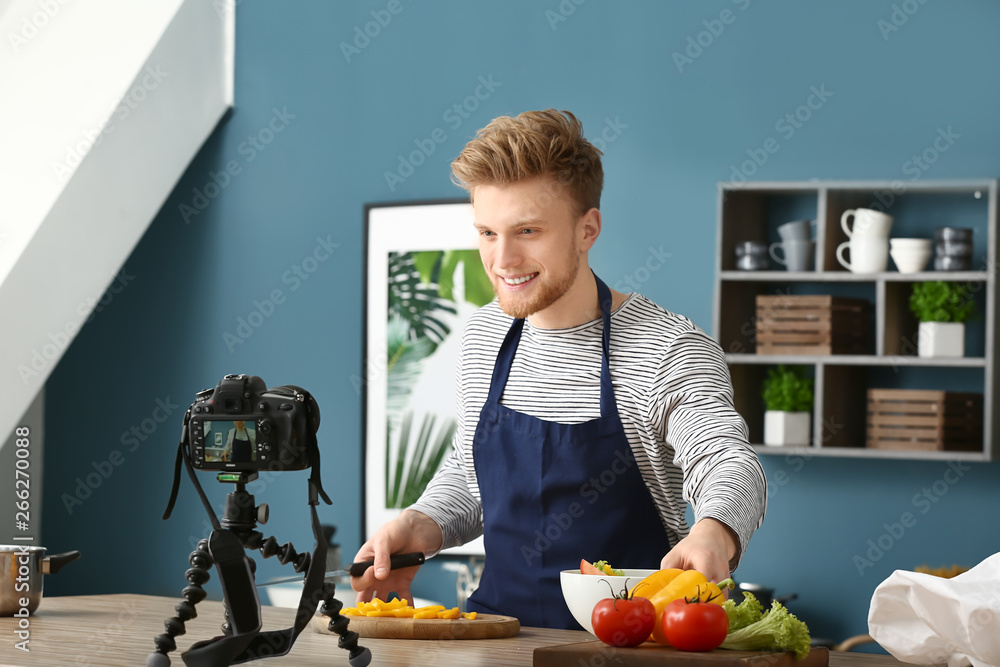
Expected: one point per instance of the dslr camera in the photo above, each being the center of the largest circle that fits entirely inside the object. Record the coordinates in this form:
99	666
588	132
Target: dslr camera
242	426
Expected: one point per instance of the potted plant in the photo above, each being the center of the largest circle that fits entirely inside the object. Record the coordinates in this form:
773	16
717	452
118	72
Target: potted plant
942	309
788	401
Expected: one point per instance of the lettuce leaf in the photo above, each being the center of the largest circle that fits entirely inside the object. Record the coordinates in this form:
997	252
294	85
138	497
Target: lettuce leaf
777	630
747	612
603	566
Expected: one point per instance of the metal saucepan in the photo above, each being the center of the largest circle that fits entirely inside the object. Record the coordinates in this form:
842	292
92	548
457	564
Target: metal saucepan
21	570
763	594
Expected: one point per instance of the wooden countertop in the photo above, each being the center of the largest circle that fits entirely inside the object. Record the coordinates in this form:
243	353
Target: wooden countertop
118	630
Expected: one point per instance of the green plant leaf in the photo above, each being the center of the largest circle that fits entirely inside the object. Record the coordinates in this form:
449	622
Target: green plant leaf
426	263
417	301
942	301
394	486
405	357
788	390
478	288
418	457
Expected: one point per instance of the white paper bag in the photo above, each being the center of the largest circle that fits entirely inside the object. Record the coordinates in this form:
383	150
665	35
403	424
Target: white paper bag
929	620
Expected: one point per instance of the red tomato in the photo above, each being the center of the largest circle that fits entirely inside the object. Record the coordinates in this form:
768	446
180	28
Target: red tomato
694	626
587	568
624	622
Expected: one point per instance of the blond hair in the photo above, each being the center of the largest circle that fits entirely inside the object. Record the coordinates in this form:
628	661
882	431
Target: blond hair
534	143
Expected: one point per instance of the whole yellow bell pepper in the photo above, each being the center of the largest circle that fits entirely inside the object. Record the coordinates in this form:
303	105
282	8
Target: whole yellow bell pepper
664	586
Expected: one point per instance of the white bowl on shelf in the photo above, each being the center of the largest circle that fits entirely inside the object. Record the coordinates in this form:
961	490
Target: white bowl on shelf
910	260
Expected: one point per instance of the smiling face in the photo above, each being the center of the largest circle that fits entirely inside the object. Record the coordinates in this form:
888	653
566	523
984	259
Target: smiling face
534	245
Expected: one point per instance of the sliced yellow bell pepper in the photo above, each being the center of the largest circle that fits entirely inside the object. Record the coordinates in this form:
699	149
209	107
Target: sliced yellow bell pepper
655	582
400	609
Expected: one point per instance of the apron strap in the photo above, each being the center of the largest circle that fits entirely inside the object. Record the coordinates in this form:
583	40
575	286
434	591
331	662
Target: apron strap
609	406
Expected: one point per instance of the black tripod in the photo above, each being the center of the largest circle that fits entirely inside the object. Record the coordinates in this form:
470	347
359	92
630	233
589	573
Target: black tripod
242	639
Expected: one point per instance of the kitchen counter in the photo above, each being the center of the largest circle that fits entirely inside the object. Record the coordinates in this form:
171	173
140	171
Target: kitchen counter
118	630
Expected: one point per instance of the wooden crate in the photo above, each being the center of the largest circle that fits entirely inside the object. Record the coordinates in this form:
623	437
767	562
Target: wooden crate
924	420
817	325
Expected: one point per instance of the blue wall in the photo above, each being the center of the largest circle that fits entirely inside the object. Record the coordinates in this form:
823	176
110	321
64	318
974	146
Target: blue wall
672	130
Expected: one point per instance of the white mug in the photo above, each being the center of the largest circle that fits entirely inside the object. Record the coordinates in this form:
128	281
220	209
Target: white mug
867	223
868	254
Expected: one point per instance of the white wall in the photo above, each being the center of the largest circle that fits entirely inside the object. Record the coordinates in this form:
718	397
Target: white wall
106	102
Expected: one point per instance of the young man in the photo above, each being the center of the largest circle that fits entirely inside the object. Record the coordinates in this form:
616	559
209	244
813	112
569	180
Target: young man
588	417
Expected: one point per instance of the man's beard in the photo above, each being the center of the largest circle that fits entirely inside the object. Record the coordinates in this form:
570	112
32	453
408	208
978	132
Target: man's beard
544	293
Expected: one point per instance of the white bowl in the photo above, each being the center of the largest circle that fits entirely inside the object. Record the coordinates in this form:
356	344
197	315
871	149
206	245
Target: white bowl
910	261
910	244
583	591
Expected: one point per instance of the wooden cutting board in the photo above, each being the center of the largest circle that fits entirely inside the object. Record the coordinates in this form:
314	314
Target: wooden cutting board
484	626
650	653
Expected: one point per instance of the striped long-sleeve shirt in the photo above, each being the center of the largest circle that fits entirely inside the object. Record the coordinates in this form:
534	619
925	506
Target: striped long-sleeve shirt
675	401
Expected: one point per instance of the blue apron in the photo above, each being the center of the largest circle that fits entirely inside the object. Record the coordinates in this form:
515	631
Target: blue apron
554	493
242	452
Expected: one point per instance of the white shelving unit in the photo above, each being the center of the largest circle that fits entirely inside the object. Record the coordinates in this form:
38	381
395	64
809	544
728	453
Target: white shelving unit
753	211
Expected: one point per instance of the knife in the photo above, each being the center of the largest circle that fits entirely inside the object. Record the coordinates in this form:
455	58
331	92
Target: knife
357	569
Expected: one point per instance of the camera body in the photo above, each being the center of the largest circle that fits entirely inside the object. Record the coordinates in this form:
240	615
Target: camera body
242	426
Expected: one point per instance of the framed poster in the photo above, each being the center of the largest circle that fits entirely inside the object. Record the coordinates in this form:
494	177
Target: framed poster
423	279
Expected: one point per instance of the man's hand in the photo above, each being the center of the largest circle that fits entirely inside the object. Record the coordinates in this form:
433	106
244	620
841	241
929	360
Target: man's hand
708	548
410	531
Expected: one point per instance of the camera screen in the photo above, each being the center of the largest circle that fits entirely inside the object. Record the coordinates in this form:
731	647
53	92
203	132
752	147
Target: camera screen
230	441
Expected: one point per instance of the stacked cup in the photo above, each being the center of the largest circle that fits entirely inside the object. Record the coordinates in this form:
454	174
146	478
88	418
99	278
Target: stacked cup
797	248
869	240
953	249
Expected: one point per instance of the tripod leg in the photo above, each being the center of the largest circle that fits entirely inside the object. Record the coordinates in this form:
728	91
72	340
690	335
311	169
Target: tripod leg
359	656
200	560
227	625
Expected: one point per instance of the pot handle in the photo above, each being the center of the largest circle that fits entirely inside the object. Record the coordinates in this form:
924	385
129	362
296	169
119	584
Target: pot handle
52	564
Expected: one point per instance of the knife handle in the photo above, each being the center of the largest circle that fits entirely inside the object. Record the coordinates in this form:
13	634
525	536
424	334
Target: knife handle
395	562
